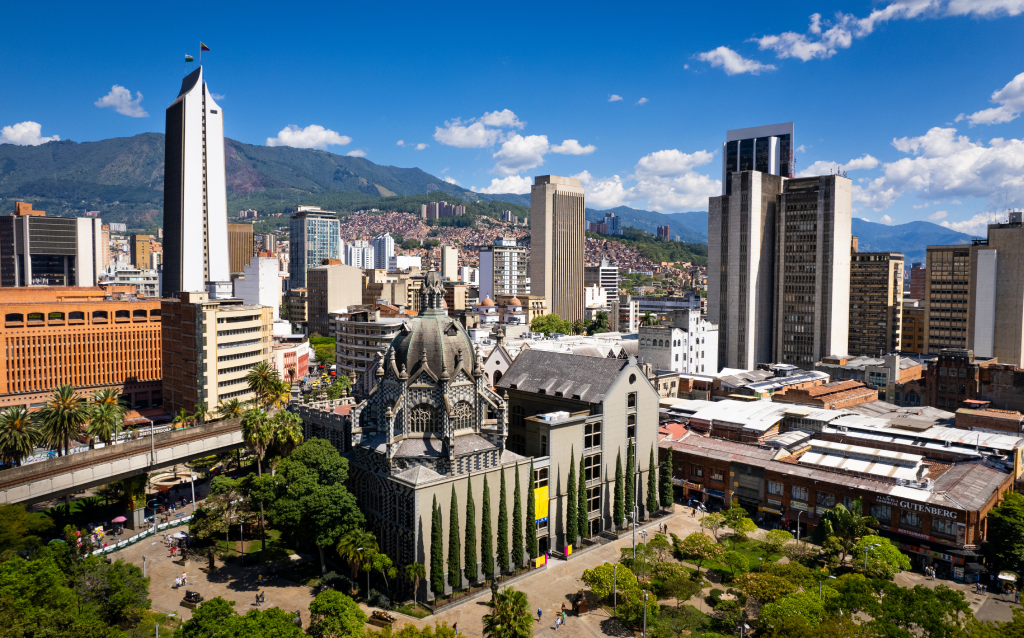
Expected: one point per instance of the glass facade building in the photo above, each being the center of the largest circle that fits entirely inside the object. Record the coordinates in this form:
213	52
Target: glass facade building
315	236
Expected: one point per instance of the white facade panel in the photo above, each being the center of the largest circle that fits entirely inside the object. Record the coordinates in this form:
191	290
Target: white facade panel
985	303
216	193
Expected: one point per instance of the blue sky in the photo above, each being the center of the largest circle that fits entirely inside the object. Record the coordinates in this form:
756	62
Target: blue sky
919	100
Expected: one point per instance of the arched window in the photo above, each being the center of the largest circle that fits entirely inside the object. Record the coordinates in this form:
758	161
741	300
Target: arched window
912	398
423	418
139	314
497	376
462	416
121	314
14	317
154	313
517	444
76	315
56	316
99	314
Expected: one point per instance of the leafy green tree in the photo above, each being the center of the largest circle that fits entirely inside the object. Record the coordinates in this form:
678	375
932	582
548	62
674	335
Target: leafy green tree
571	517
884	560
765	588
216	618
117	589
325	354
551	323
736	562
714	523
619	504
335	615
604	577
1005	546
231	409
19	435
582	504
486	540
805	605
502	526
470	547
62	418
630	481
287	428
531	518
919	611
743	527
261	379
106	416
436	551
511	616
632	603
258	434
600	324
20	530
652	485
697	547
382	564
454	545
353	547
666	490
339	388
775	539
841	528
517	524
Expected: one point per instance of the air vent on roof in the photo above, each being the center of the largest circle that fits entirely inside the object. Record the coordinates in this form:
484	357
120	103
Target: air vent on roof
513	386
541	391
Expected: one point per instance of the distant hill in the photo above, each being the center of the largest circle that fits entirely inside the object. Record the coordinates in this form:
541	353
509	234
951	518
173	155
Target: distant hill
123	178
912	239
690	227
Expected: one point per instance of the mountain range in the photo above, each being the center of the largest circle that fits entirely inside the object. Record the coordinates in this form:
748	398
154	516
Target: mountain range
123	179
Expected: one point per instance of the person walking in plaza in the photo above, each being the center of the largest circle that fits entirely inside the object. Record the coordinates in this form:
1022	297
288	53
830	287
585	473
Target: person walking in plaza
539	612
183	580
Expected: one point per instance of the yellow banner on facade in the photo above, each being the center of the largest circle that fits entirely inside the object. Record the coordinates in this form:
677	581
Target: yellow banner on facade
540	503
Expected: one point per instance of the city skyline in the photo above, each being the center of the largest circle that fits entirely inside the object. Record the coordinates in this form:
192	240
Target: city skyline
642	139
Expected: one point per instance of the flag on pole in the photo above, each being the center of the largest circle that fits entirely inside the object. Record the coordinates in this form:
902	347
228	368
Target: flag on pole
189	58
203	47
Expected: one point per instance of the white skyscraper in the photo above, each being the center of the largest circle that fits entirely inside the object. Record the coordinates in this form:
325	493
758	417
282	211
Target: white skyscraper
383	249
360	255
195	194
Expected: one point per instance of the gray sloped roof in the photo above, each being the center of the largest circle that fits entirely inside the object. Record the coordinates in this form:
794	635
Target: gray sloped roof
574	376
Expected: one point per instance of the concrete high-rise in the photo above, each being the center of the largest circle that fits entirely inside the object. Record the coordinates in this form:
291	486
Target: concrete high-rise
606	275
504	269
876	304
314	237
557	240
995	323
741	268
141	248
383	249
241	246
917	279
195	194
947	297
359	255
36	250
766	149
812	269
449	262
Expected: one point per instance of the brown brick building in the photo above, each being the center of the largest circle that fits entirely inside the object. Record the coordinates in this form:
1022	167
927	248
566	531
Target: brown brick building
831	396
953	378
979	415
85	337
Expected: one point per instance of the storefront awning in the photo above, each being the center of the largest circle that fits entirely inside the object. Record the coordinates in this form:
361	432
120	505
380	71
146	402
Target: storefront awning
718	493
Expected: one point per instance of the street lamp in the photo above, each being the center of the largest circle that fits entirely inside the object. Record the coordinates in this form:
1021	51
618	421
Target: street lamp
760	564
866	550
615	593
820	580
743	627
170	615
798	515
645	615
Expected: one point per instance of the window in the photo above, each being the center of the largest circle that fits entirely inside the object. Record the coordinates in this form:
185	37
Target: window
56	316
825	500
631	400
776	488
592	435
592	467
99	314
540	478
35	316
848	502
517	415
544	444
697	470
423	418
122	314
881	512
944	526
594	499
631	426
910	519
461	416
717	475
517	443
76	315
14	317
800	493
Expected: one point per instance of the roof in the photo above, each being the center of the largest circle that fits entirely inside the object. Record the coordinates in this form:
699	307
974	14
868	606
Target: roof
754	415
835	388
992	413
971	484
859	363
584	379
886	410
488	302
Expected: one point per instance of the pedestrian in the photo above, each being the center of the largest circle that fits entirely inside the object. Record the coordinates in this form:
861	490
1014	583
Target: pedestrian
539	612
263	597
1016	596
455	627
558	621
563	617
177	583
257	600
563	609
183	580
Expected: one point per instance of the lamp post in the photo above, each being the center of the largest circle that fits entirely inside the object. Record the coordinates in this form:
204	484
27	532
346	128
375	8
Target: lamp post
645	615
820	580
170	615
866	550
798	515
615	593
760	564
742	627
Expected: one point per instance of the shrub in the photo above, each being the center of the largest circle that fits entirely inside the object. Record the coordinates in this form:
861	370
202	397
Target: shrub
765	588
715	595
679	586
796	573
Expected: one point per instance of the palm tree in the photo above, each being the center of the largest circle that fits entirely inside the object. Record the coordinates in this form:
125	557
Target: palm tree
278	394
261	379
182	418
231	409
18	435
414	572
106	421
846	525
353	546
648	319
62	418
579	326
511	616
258	434
202	413
287	431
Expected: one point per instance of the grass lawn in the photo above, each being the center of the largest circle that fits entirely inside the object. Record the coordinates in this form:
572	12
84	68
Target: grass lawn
415	611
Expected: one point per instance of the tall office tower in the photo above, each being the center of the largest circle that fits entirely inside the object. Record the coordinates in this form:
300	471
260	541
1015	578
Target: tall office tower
876	304
504	269
383	249
663	232
140	247
360	255
741	268
241	246
917	279
606	275
315	236
449	262
996	317
812	269
767	149
332	288
556	244
195	194
36	250
947	290
260	284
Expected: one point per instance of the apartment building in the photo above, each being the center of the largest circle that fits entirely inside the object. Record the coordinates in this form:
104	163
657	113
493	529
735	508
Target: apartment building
314	235
876	304
36	250
556	244
947	297
912	336
996	298
333	287
363	333
504	269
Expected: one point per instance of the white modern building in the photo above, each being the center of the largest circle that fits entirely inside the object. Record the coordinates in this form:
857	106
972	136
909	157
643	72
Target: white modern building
768	149
689	345
383	249
469	275
260	284
449	262
504	269
404	262
359	255
120	273
195	194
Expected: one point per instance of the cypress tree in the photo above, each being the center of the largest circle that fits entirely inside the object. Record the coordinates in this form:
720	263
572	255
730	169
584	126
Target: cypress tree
502	526
570	506
582	507
652	485
531	518
454	545
517	525
630	481
666	480
486	540
619	511
436	552
470	532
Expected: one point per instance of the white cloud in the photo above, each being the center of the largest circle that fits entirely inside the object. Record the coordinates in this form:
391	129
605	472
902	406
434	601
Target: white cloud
502	119
452	180
477	132
313	136
937	215
865	162
606	192
670	163
924	205
801	149
643	100
614	98
421	146
865	219
510	184
400	143
689	190
25	134
733	63
217	96
975	225
1010	99
956	202
520	153
120	99
573	147
664	179
885	219
356	153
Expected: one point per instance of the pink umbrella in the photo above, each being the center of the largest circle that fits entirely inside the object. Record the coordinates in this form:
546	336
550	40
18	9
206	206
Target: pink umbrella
119	519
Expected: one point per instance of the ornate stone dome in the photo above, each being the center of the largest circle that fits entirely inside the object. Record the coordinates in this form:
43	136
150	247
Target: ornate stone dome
514	301
487	302
432	341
